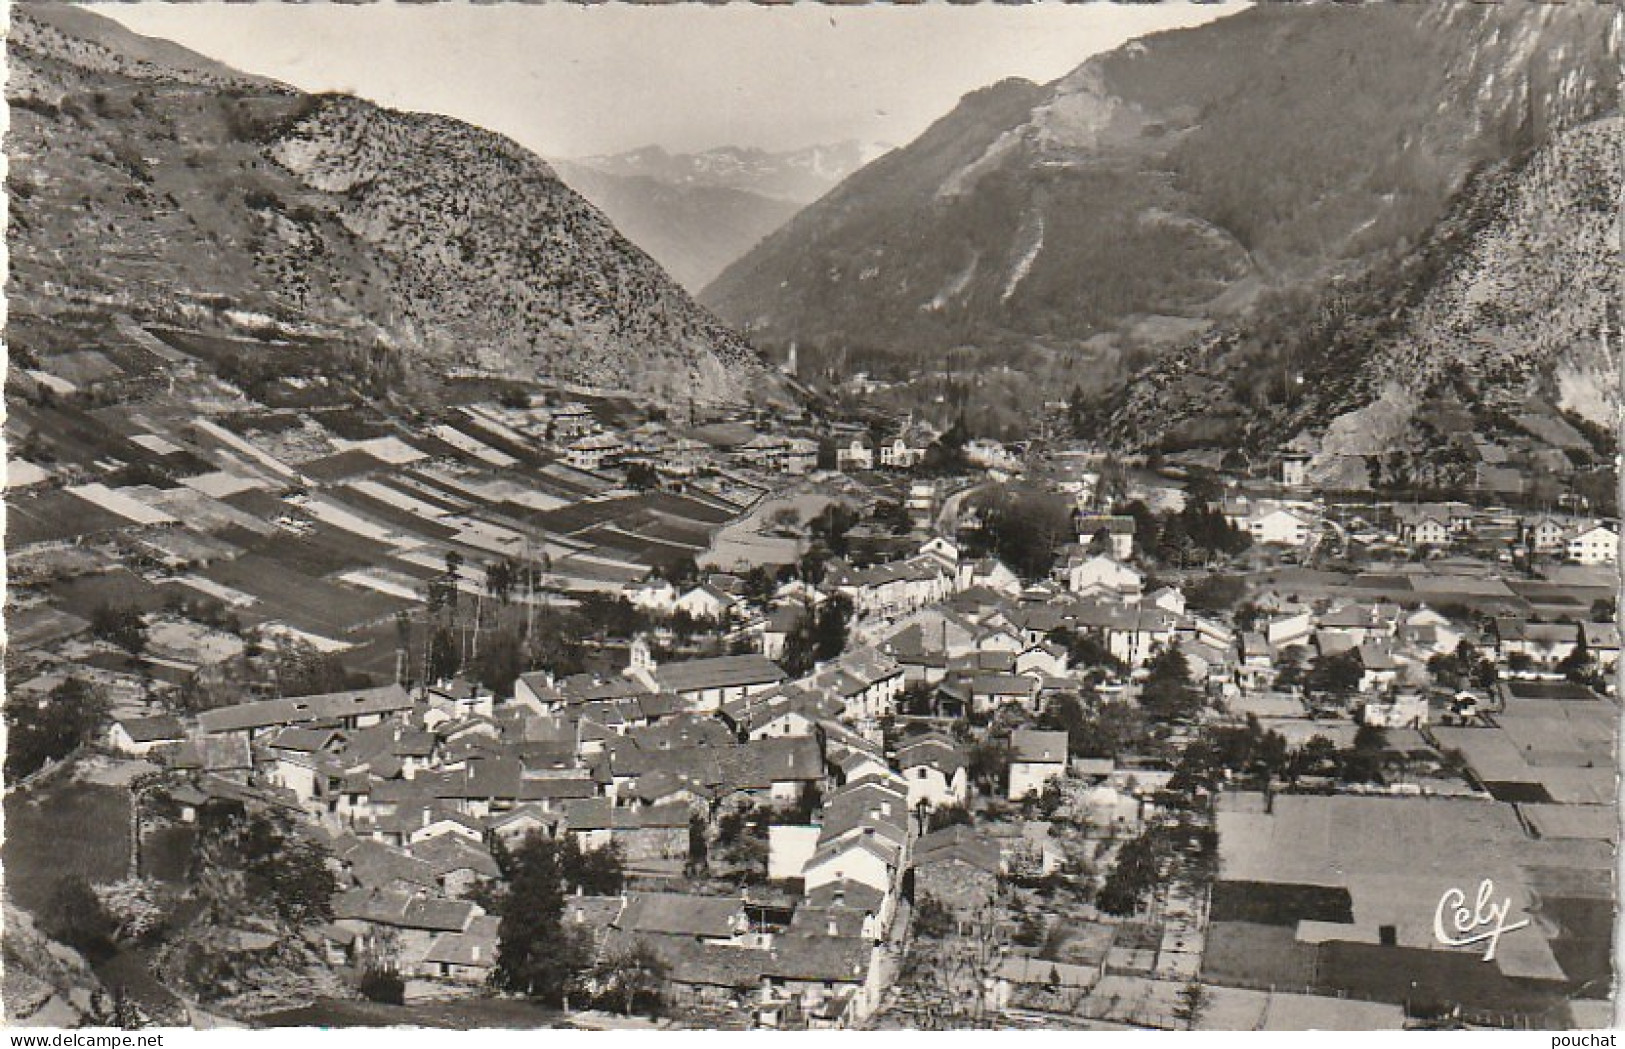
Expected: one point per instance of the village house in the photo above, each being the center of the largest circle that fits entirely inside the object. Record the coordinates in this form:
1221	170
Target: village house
1602	643
1295	469
140	736
408	922
461	698
905	450
1100	575
1036	757
1546	535
1421	526
858	453
1544	644
993	574
355	709
921	503
777	627
655	596
571	420
936	770
466	958
1046	660
707	602
800	456
891	589
1280	527
1596	544
594	452
705	684
1115	532
867	852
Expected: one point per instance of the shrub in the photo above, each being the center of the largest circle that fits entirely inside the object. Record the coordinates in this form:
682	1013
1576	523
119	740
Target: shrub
383	985
75	916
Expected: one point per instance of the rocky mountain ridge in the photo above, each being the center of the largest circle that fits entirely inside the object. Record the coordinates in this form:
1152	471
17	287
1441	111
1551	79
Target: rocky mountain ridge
150	183
1082	228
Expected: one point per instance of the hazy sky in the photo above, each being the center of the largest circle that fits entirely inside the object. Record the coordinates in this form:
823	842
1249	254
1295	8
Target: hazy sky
570	80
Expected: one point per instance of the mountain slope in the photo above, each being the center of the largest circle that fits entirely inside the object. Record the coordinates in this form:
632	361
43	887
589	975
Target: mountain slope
1167	184
1507	304
146	179
694	232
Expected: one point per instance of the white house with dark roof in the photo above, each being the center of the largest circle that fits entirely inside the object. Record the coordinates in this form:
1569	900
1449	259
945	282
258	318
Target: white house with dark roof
1036	757
858	453
141	736
706	684
706	602
359	708
1596	544
935	769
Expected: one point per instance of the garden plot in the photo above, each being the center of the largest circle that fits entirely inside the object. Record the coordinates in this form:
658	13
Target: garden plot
192	642
221	483
472	447
390	449
301	601
124	504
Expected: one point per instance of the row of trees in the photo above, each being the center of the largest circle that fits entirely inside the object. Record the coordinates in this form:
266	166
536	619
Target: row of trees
1194	535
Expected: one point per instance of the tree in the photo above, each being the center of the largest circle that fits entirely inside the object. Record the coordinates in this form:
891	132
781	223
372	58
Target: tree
259	862
1167	695
641	476
699	852
1025	526
382	984
445	654
1215	593
988	765
536	954
1132	877
1578	666
1317	757
1337	674
48	730
500	577
1193	1001
596	872
829	631
75	916
500	662
1030	933
818	636
1087	650
302	669
631	976
1362	762
123	627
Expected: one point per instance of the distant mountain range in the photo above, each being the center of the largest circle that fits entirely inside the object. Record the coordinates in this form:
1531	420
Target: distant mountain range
1180	186
147	179
698	212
